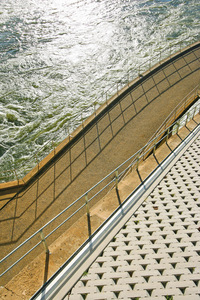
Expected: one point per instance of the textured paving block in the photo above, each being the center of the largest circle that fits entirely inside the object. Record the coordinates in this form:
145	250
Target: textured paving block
156	254
193	297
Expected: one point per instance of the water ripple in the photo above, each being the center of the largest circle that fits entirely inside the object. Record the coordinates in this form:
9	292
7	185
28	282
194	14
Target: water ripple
58	57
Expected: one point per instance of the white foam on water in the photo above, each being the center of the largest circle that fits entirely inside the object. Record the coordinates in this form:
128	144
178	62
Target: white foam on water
58	57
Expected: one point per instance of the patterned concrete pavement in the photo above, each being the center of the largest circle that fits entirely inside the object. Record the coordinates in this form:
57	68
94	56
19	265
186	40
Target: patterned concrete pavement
157	253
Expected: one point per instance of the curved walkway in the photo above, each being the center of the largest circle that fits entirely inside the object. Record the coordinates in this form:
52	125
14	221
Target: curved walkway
120	128
38	271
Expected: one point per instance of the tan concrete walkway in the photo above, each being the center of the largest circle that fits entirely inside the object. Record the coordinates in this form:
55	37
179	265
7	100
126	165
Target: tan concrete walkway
115	134
38	271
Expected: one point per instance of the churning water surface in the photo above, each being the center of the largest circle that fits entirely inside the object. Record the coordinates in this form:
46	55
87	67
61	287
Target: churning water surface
58	57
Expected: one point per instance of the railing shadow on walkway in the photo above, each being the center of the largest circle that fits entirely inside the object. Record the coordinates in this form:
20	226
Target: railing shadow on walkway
50	191
86	199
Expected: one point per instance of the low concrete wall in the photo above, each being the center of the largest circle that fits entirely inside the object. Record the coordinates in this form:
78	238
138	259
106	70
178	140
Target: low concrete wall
141	93
114	133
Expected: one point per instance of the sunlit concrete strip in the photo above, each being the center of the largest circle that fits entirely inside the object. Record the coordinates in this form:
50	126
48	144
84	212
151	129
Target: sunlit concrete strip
61	283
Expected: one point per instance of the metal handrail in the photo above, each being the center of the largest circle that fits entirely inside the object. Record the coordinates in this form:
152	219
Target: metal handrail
111	91
192	94
62	282
137	157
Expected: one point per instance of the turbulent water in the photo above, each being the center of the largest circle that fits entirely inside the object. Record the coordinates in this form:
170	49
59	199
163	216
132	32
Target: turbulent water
58	57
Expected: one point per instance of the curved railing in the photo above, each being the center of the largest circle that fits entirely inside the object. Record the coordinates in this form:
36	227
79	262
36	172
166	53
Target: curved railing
180	108
16	174
110	181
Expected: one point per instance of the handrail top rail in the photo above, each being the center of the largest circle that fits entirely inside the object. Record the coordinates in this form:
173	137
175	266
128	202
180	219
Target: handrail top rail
136	154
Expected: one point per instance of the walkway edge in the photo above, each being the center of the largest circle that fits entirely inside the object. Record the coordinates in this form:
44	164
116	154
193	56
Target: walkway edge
62	281
92	119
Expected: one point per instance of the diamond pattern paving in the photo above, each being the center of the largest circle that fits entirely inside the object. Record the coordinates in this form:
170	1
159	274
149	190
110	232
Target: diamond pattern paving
156	254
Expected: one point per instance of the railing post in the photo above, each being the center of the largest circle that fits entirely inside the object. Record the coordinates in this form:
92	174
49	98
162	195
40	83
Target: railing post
194	112
116	186
88	215
154	148
37	161
116	179
187	118
53	147
82	119
68	132
137	164
167	135
16	176
178	125
44	242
